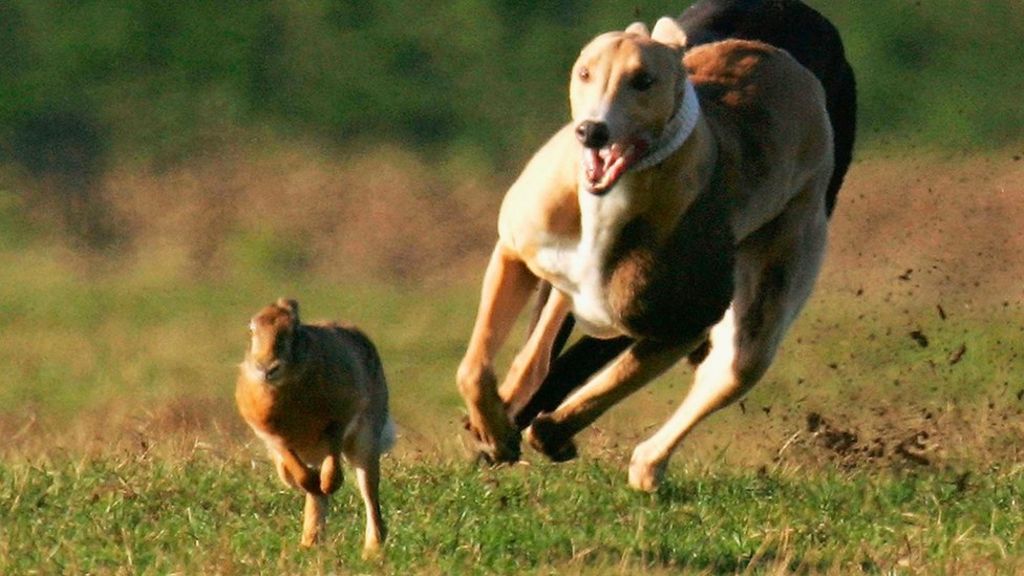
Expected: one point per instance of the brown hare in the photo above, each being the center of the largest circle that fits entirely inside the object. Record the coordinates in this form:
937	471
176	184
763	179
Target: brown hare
314	393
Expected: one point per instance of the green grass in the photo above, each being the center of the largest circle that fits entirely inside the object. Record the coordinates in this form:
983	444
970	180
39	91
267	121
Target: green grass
207	512
77	345
124	454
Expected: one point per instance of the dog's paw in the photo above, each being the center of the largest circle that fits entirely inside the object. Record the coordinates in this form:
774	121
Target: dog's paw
494	449
494	437
544	436
646	474
498	453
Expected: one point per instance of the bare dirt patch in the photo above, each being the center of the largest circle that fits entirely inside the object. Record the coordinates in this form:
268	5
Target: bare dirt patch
943	227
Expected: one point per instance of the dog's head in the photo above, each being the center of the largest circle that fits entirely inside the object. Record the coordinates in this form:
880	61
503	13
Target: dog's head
625	88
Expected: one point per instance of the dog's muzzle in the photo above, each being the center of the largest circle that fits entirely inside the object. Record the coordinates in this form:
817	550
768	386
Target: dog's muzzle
603	163
593	134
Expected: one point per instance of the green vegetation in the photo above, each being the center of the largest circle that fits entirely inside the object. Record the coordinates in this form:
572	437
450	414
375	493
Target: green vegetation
482	79
125	454
205	513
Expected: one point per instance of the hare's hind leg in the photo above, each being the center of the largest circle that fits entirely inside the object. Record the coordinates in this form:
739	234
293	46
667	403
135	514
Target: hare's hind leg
362	450
368	479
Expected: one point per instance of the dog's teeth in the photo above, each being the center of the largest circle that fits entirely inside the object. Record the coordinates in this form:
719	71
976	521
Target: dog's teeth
593	165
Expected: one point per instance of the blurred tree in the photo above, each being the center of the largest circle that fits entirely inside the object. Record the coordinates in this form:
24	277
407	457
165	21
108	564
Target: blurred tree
481	77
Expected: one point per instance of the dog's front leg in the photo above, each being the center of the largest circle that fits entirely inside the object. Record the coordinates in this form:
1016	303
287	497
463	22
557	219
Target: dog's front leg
532	362
507	287
551	433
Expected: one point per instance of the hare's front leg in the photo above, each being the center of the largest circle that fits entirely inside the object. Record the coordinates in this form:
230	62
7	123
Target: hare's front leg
314	520
331	474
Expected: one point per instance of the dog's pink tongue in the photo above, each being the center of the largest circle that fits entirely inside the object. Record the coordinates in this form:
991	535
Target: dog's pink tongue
604	167
594	165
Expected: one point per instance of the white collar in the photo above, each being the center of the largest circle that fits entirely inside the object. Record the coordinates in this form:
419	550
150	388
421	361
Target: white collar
677	130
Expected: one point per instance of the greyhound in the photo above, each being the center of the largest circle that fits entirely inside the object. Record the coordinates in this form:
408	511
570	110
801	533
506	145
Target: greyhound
687	202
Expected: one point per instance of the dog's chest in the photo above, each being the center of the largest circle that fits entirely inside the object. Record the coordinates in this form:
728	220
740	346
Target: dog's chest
579	266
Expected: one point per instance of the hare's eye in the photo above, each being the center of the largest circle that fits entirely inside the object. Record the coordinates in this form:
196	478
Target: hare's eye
584	73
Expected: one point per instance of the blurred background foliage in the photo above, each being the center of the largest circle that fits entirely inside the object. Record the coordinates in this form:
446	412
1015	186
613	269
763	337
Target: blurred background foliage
96	94
162	80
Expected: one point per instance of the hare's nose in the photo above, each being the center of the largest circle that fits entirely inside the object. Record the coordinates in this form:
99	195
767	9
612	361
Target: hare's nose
270	370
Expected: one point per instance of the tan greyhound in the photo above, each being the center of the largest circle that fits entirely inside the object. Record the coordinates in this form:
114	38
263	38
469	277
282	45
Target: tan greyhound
685	201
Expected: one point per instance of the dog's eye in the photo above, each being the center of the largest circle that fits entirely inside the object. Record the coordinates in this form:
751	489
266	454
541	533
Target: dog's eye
584	73
641	81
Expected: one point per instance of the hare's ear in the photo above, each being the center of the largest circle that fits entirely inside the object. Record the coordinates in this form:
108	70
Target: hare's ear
292	306
638	28
668	31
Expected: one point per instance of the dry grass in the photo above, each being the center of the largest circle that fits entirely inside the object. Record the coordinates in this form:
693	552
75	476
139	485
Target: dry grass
922	264
385	214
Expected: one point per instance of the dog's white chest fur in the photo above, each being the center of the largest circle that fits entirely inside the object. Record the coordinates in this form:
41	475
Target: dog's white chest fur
578	266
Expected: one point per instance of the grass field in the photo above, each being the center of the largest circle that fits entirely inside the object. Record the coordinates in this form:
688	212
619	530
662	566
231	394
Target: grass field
886	438
211	512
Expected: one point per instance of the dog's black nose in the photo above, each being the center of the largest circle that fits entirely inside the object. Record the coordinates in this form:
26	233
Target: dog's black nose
592	134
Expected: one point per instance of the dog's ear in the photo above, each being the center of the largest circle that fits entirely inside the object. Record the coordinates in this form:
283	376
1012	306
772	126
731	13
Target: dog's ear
638	28
668	31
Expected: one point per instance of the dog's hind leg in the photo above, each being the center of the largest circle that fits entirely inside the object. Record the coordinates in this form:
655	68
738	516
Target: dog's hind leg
551	433
569	371
775	273
507	286
715	384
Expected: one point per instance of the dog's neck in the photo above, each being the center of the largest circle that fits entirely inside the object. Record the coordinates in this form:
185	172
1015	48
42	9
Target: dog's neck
677	130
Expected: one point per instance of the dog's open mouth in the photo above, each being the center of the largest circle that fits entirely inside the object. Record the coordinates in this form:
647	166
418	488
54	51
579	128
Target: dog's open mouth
604	166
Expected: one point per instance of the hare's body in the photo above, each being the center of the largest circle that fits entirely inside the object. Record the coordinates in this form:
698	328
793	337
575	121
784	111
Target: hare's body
314	393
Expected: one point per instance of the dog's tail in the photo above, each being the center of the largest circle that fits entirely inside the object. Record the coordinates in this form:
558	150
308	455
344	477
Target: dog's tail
841	103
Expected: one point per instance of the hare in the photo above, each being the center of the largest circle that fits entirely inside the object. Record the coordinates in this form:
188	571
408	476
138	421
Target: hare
314	393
